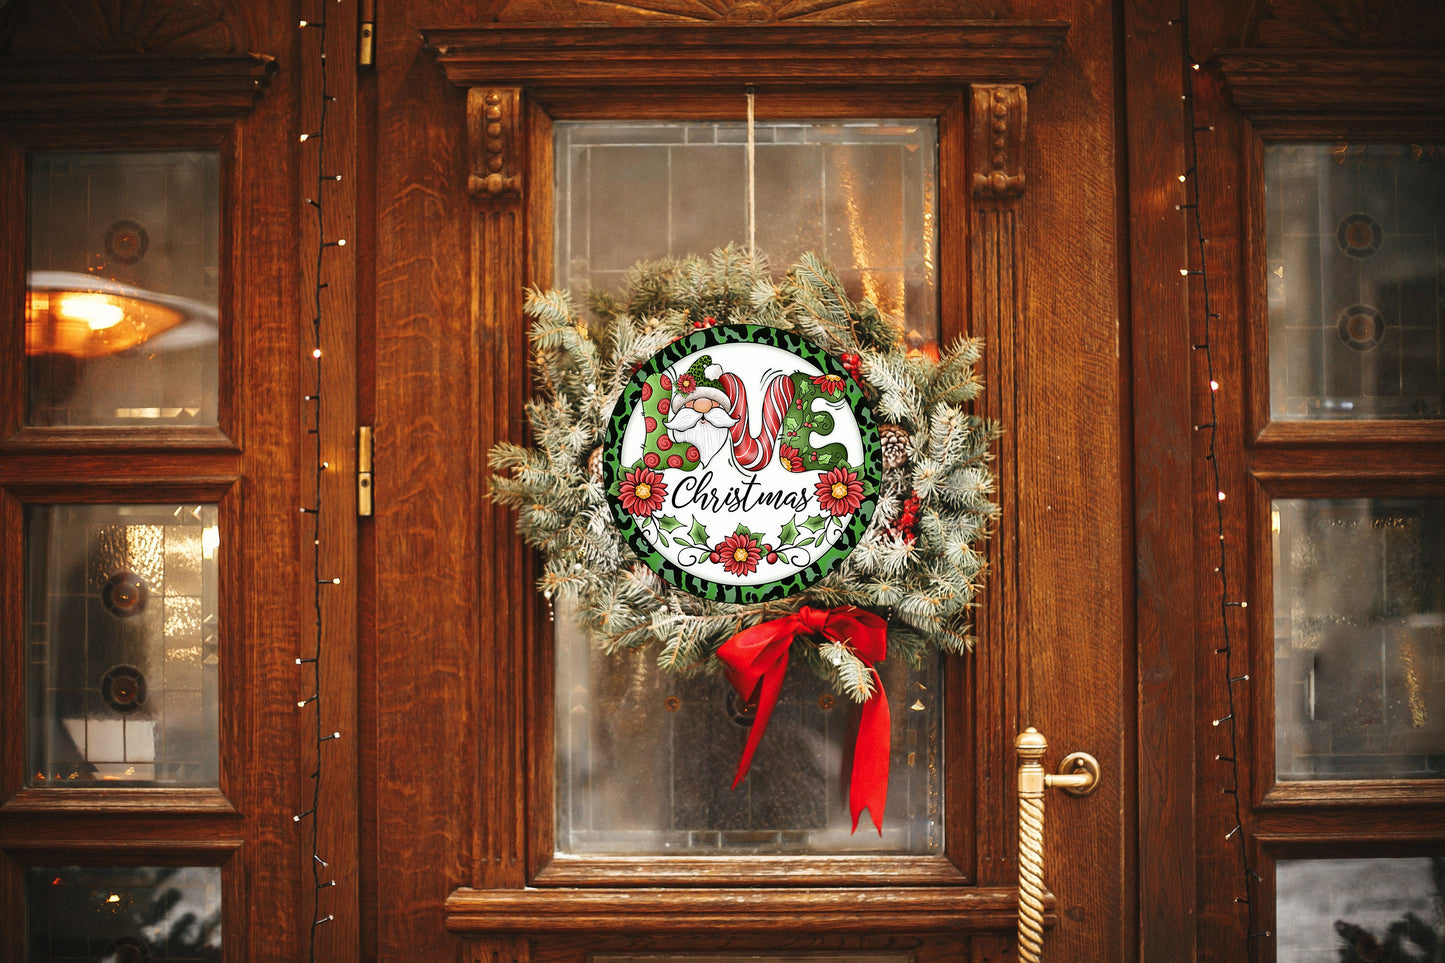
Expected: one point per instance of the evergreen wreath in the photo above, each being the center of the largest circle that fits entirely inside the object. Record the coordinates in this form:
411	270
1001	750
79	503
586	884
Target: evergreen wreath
919	562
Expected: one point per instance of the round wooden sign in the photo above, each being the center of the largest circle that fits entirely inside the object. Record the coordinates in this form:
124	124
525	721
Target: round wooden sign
741	463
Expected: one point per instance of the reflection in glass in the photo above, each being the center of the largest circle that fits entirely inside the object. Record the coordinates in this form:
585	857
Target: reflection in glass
1354	278
1359	649
645	759
123	914
122	624
121	306
1359	909
861	194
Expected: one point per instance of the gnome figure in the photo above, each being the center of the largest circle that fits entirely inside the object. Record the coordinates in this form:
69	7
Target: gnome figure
699	409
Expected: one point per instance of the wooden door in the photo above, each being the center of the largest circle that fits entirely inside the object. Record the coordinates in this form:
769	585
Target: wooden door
467	856
1286	282
176	557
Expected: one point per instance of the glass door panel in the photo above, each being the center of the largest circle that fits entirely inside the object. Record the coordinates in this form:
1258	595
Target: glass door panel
123	288
1359	596
123	914
123	650
645	758
1359	909
1354	272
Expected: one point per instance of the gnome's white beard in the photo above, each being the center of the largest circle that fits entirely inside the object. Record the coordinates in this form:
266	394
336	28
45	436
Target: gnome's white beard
708	432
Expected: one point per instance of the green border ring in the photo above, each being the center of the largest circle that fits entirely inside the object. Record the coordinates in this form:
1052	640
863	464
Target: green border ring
627	405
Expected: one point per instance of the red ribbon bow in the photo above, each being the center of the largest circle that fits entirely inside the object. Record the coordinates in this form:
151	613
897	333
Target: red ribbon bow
756	660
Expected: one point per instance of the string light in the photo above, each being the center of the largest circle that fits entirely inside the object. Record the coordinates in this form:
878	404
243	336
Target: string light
1191	205
316	204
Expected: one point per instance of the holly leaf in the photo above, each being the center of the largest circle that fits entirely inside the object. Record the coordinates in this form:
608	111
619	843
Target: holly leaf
815	523
743	530
668	522
698	533
789	534
807	541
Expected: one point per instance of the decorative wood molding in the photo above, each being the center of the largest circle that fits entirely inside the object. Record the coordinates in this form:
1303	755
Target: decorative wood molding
46	29
795	54
702	11
995	147
1379	92
757	870
720	912
1347	24
494	142
121	90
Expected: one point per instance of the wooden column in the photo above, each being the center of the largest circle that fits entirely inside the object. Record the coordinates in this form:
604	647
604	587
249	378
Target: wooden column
997	115
495	151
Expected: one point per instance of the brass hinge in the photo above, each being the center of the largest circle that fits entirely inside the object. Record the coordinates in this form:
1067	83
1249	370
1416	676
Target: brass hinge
366	36
364	502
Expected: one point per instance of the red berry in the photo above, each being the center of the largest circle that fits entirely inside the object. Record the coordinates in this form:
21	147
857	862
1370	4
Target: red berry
646	390
693	454
651	459
664	443
651	424
714	557
666	382
664	406
674	461
768	549
772	557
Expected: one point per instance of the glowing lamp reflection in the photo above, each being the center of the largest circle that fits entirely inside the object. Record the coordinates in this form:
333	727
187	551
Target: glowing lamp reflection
92	324
96	310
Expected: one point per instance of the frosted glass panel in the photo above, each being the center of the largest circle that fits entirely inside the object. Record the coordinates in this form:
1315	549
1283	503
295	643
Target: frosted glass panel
123	914
862	194
1356	270
1359	590
122	621
120	319
1359	909
645	761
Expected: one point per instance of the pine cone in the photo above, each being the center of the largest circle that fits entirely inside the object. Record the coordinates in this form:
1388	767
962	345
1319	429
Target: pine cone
896	449
594	463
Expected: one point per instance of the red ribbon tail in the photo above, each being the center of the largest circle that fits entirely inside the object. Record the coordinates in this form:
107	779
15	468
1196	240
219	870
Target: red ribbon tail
766	693
869	786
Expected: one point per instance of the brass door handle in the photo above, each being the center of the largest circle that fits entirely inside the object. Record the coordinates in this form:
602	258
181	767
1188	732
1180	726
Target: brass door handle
1078	775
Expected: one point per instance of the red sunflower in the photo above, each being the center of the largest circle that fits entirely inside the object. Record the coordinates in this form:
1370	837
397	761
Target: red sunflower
829	383
739	553
642	492
839	492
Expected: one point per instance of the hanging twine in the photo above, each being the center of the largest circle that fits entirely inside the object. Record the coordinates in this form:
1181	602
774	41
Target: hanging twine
752	176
